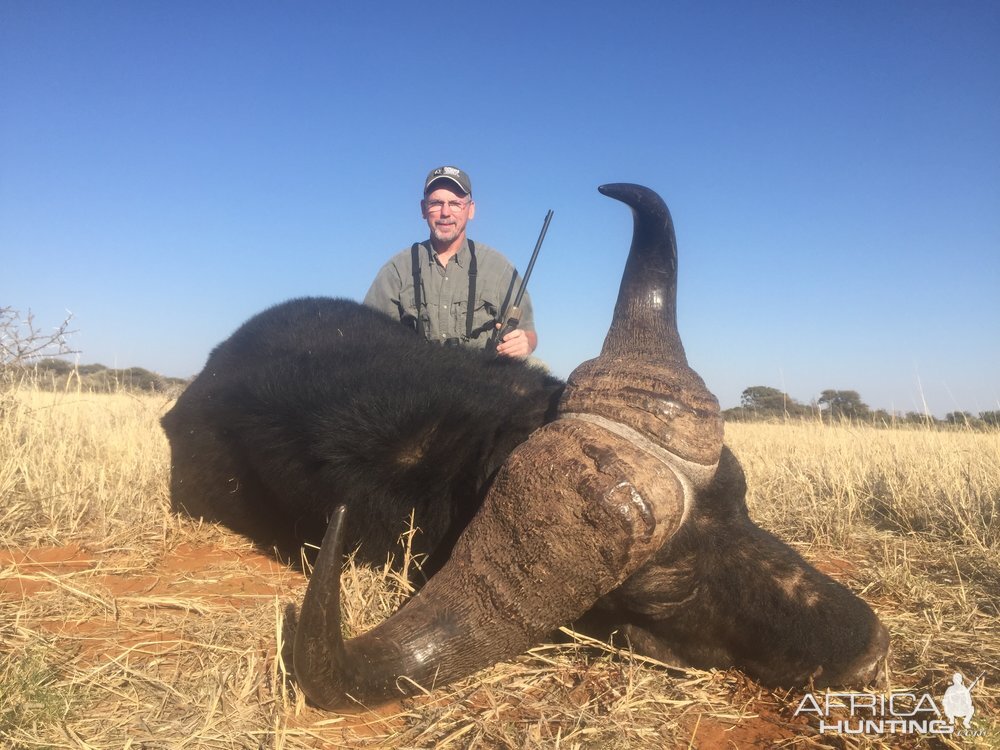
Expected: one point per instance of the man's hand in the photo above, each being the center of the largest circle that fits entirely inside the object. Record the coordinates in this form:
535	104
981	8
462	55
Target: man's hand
517	343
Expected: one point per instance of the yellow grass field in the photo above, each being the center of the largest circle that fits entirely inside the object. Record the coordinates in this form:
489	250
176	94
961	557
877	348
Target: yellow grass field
122	626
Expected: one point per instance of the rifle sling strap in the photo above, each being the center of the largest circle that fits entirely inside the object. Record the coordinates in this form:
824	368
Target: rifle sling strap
415	260
471	304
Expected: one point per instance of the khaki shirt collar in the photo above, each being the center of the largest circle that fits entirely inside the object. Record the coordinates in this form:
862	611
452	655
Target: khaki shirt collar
461	257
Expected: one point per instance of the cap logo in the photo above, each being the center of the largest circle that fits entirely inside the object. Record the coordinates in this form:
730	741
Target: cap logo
456	175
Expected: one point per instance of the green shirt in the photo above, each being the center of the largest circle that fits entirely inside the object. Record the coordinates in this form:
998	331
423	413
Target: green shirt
444	294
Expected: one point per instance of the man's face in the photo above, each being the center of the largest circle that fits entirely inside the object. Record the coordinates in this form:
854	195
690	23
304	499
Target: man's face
446	212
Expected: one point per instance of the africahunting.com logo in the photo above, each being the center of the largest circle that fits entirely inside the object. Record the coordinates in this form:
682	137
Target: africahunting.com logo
898	712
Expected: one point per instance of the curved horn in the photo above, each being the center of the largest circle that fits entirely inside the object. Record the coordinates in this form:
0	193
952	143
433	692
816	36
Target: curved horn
645	318
573	512
641	385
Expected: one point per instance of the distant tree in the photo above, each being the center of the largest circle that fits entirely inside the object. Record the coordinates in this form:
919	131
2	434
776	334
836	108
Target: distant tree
916	417
22	342
97	377
963	418
762	401
761	397
843	405
991	418
883	417
54	366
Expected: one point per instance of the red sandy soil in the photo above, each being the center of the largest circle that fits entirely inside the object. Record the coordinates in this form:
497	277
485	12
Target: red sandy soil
200	577
190	577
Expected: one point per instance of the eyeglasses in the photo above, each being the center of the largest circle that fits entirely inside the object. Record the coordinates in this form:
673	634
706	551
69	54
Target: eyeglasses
434	207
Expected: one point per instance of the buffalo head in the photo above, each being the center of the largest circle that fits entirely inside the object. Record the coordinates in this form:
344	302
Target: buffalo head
625	513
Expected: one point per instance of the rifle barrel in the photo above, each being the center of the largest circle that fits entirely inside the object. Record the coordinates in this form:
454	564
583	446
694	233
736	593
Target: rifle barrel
510	317
534	257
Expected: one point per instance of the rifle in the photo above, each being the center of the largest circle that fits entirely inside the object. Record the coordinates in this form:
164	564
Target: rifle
512	317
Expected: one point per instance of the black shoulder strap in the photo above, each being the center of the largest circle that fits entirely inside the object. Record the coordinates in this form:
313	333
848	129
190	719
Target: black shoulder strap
415	258
470	307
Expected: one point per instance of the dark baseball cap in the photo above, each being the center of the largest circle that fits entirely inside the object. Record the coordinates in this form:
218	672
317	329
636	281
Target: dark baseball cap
452	174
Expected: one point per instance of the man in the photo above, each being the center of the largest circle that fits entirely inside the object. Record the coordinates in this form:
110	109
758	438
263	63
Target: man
451	289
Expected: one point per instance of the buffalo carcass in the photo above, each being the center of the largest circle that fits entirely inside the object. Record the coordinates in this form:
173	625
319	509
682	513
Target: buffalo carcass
318	402
610	501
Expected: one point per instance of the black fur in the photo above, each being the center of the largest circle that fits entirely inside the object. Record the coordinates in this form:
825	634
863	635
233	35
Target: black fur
317	402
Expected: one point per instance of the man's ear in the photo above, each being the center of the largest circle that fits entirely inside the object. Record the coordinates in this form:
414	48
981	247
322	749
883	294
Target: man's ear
472	209
423	208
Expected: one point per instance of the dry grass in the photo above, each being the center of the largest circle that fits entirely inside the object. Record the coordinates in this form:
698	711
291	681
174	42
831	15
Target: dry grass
122	626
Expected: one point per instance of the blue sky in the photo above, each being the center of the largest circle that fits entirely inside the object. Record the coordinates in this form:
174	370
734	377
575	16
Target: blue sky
167	169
